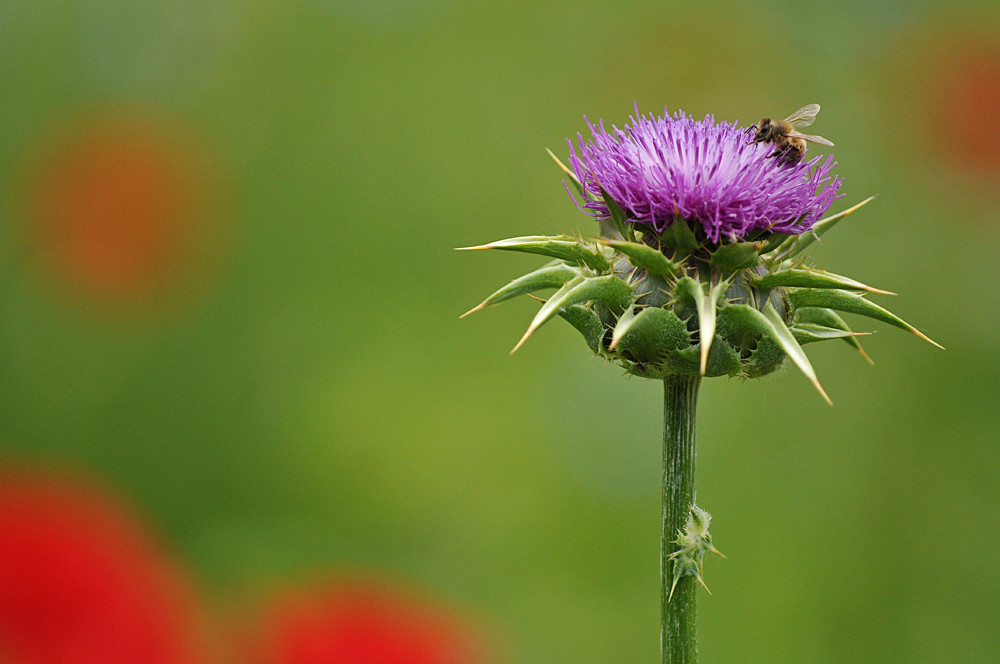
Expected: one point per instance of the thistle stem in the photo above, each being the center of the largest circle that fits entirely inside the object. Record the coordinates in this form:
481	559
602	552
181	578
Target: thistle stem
678	630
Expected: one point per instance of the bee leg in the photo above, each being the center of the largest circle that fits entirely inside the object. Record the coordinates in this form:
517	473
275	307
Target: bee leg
790	156
785	155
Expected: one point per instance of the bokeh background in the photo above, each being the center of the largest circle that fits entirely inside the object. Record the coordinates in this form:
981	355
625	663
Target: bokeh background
229	309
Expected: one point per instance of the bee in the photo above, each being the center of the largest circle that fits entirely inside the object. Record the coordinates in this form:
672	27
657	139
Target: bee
789	144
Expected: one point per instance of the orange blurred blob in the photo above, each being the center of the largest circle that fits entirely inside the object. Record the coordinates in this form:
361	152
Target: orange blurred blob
125	203
941	87
361	623
82	583
969	106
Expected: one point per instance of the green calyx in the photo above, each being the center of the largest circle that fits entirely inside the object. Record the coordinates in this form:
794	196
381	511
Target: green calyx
692	544
675	303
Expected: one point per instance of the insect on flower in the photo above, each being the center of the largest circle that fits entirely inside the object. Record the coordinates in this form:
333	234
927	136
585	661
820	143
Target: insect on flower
789	144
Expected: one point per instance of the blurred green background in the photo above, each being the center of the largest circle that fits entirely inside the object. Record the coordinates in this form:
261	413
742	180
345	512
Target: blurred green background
263	350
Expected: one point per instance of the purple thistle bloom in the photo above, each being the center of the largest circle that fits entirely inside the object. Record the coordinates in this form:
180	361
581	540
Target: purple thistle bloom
706	172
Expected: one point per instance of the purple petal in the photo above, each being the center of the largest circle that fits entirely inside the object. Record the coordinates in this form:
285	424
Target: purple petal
707	172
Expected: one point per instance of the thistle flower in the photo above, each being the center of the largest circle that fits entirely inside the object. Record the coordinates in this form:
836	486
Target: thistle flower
697	269
707	173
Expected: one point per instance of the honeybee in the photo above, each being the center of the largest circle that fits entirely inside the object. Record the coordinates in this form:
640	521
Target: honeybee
789	144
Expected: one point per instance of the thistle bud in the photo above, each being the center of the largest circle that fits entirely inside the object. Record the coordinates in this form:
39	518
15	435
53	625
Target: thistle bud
698	266
692	544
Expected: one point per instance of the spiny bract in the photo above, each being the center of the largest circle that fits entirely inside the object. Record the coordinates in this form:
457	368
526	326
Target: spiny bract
695	293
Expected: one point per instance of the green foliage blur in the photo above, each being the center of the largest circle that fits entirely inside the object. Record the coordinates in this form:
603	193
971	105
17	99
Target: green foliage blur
282	386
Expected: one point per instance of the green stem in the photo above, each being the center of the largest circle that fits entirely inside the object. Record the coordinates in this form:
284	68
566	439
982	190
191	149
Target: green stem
679	629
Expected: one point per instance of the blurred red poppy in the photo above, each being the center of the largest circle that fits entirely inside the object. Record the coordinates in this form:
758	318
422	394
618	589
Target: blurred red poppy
82	583
362	623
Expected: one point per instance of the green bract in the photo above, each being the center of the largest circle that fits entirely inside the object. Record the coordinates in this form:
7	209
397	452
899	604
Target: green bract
676	303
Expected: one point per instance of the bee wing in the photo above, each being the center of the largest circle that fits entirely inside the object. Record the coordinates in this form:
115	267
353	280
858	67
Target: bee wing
803	117
808	137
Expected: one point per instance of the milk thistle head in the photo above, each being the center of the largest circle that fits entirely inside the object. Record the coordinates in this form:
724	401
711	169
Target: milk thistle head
698	265
697	269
